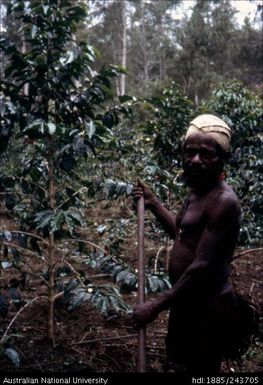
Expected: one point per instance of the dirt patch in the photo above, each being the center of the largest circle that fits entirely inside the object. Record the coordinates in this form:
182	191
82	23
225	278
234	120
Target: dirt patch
85	340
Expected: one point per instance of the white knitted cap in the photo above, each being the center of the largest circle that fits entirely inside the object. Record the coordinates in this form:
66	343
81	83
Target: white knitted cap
212	126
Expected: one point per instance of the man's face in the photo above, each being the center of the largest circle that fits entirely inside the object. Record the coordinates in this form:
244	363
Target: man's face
201	160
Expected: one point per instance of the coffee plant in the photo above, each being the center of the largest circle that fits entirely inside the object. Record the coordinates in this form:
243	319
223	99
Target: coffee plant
242	111
60	115
55	104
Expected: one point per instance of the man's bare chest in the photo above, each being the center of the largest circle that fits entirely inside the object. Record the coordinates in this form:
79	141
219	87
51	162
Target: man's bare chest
192	219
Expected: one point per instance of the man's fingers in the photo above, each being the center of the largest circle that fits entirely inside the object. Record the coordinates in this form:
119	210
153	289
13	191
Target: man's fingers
140	183
137	192
140	192
137	188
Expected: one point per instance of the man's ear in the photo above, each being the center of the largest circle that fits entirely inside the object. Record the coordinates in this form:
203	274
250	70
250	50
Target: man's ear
227	156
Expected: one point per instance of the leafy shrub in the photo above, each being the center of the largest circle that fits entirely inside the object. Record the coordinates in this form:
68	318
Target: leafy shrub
55	105
242	111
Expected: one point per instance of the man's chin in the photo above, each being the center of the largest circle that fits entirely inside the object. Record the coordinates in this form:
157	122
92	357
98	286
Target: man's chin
193	179
193	182
199	181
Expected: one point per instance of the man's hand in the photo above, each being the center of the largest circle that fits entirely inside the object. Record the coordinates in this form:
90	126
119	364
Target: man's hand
142	190
144	313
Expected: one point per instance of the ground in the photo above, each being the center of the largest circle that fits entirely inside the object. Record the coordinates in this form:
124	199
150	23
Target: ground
86	340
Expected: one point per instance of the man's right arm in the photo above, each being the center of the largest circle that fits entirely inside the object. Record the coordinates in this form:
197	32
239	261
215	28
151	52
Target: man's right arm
163	215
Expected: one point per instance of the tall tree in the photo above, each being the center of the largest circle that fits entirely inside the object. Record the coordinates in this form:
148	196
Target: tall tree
206	47
108	32
137	34
247	57
124	46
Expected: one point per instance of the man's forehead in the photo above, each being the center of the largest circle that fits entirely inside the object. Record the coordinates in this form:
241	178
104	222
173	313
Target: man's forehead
200	139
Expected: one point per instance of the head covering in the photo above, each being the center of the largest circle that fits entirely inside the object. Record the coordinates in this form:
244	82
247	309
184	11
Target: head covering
212	126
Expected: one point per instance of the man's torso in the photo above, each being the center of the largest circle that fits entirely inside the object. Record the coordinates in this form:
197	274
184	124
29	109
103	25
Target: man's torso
191	223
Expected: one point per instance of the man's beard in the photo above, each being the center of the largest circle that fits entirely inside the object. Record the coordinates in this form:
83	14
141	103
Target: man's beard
201	179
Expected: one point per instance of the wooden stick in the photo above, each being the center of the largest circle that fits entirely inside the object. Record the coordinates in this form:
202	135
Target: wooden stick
83	342
247	252
17	314
141	358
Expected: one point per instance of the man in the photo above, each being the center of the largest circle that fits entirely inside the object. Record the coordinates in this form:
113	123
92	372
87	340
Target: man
204	310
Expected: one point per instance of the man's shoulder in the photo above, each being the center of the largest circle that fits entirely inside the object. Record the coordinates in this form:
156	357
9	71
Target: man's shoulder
223	200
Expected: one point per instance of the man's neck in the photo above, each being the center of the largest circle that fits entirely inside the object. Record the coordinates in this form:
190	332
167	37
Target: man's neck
201	188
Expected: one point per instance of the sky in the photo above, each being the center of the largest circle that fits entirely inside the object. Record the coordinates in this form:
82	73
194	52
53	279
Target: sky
244	8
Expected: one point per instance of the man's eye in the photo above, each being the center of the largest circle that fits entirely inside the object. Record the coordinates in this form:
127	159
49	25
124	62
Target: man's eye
207	154
190	152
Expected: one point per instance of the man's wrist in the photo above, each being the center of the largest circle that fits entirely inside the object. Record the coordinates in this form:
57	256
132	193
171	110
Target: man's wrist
153	204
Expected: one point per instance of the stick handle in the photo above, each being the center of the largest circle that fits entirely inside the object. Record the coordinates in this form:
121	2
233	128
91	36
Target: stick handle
141	358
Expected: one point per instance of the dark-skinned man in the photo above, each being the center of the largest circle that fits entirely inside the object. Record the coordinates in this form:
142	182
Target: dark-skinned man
204	309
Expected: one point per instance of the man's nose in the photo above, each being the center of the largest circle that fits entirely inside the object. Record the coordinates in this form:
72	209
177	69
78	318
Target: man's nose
196	159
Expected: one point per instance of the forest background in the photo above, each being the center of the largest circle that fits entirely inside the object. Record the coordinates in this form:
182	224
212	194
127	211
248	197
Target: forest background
93	95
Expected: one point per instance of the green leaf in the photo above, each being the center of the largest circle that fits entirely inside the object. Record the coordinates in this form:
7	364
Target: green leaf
77	297
4	306
13	356
15	296
6	264
33	31
76	215
119	305
126	98
45	9
101	229
70	223
51	128
43	218
120	277
38	126
57	220
129	188
70	56
153	283
91	129
7	235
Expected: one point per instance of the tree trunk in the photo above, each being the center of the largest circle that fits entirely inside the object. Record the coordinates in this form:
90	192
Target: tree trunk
51	258
161	55
24	49
124	46
117	80
144	47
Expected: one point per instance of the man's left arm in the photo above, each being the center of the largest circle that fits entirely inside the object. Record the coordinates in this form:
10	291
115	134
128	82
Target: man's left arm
216	244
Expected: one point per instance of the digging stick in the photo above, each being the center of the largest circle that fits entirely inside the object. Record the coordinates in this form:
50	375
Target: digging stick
141	358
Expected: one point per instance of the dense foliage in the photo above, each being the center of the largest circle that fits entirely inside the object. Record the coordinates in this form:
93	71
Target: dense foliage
243	113
57	110
53	103
76	144
194	43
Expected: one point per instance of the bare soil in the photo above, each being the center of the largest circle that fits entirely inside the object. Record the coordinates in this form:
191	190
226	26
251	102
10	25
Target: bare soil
85	340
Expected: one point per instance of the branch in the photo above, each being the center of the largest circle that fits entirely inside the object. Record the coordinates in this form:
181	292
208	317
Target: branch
103	339
68	199
88	242
30	234
17	314
247	252
25	250
76	273
162	248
